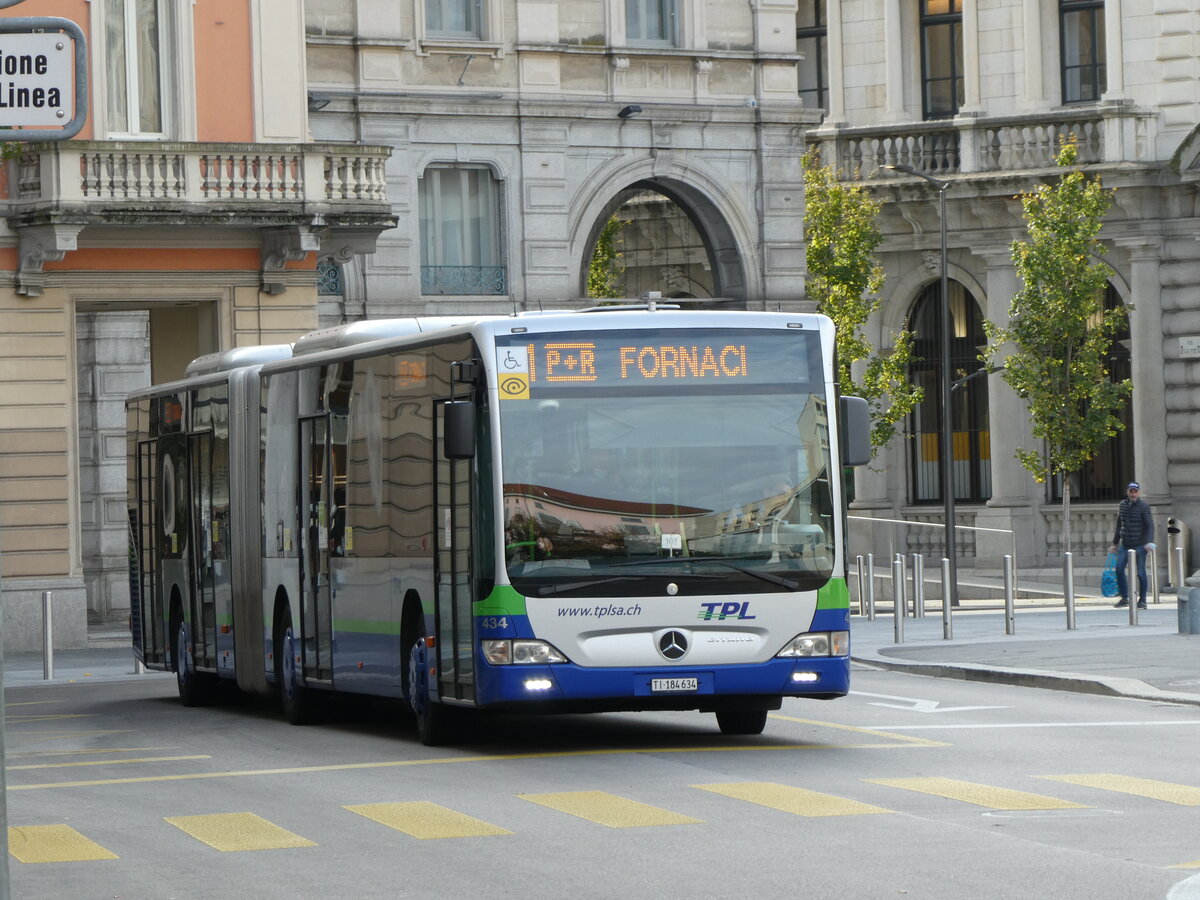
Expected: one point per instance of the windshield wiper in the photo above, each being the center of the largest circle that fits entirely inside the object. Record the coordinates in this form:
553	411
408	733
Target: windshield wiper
763	576
548	589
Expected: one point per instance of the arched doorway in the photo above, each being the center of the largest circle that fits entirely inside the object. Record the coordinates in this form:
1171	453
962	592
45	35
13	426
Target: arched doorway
1105	475
971	470
664	237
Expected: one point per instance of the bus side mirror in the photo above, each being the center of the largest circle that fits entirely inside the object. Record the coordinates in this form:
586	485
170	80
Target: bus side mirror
854	437
459	419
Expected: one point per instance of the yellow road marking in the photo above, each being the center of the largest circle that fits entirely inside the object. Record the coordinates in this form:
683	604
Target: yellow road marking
26	754
61	735
1194	864
978	794
788	799
47	717
897	741
232	832
53	843
106	762
31	703
902	738
1179	794
609	809
426	820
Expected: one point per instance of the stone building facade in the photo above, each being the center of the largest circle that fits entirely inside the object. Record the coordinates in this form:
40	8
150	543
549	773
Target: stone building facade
189	215
516	128
978	94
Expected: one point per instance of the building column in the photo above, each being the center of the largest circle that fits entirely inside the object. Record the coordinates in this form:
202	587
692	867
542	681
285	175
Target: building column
1148	401
970	31
895	51
836	114
1011	505
1035	78
1114	60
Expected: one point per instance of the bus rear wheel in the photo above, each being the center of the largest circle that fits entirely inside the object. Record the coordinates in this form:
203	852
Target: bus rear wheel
295	698
742	721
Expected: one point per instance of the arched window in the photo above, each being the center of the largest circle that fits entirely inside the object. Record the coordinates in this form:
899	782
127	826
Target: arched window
650	243
1104	477
971	470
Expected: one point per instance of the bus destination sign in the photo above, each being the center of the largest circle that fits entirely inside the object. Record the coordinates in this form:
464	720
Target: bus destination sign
621	359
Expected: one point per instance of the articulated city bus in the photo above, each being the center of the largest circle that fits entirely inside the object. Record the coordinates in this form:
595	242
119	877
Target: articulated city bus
619	509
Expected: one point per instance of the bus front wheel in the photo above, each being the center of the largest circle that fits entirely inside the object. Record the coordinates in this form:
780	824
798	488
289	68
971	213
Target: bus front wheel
195	688
436	724
742	721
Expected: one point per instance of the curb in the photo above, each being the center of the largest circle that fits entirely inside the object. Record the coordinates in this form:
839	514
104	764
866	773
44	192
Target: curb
1129	688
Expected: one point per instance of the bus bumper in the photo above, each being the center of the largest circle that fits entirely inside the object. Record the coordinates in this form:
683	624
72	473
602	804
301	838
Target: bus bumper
704	687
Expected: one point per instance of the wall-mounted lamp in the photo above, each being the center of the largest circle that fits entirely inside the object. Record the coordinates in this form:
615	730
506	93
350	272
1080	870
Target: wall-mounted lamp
316	101
628	112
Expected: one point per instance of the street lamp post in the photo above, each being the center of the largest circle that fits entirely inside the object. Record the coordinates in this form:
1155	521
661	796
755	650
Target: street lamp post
947	454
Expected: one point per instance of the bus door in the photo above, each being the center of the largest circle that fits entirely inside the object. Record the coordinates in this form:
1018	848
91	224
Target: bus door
149	631
203	612
317	486
452	533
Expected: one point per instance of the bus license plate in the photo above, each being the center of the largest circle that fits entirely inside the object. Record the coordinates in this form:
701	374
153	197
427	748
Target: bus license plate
674	685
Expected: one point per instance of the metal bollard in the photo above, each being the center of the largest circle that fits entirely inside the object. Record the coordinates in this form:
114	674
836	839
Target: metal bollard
947	613
858	574
918	580
47	635
1010	619
1152	567
1069	589
898	599
870	587
1131	579
1178	581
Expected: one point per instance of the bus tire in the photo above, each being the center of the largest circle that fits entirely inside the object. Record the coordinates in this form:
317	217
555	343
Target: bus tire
742	721
195	688
436	723
295	698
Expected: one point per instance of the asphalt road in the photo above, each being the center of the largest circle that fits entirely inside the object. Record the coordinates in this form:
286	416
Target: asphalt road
912	786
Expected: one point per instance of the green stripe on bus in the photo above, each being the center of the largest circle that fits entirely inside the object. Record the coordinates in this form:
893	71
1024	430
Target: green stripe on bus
502	601
366	626
834	595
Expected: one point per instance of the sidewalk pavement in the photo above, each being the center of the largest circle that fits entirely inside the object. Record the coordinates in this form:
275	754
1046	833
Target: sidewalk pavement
1103	654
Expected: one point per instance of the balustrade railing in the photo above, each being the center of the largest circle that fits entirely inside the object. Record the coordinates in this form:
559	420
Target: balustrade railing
986	144
463	280
87	171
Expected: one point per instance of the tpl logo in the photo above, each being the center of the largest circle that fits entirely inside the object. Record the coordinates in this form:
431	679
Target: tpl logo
723	611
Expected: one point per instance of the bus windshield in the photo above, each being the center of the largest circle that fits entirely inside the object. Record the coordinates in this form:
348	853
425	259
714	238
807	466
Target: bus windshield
697	459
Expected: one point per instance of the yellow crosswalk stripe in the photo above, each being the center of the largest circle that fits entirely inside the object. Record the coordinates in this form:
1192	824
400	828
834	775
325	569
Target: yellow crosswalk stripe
53	843
609	809
426	820
1179	794
231	832
978	794
798	801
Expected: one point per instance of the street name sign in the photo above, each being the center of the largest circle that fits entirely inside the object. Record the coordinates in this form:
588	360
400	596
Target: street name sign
43	79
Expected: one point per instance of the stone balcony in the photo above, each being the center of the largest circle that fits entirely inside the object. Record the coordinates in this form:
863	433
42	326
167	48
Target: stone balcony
329	198
1106	134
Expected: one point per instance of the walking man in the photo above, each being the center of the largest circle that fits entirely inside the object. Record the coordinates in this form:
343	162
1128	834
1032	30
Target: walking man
1135	531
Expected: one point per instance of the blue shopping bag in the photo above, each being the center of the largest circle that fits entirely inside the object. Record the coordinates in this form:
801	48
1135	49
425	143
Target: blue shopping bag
1108	581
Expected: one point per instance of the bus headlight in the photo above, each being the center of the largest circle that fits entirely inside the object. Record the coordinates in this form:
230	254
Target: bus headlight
520	653
817	643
